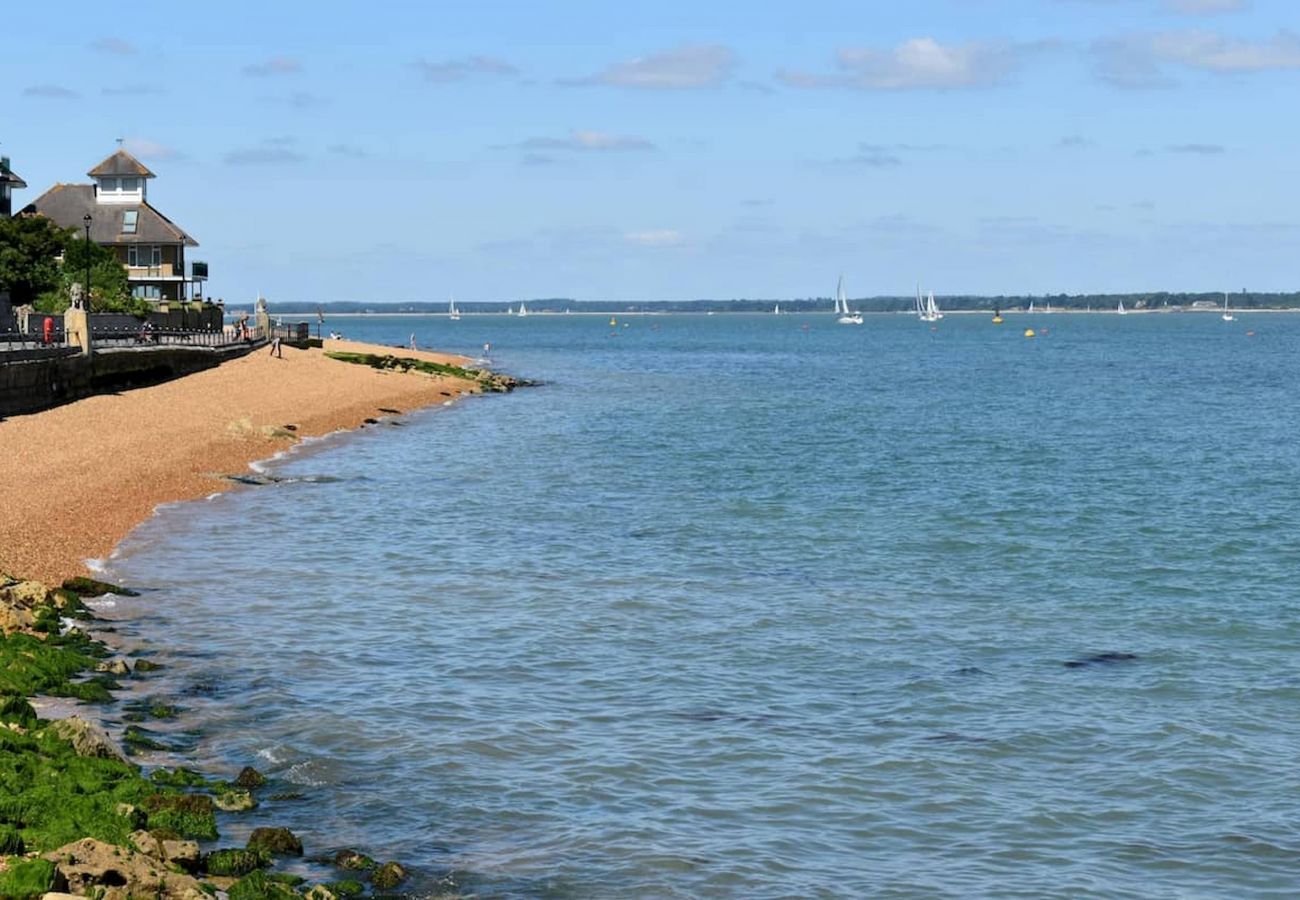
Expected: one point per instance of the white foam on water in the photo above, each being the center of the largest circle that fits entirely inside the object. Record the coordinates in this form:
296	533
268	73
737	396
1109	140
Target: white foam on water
95	565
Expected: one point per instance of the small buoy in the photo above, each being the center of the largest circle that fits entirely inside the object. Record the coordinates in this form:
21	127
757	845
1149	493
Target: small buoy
997	320
627	324
613	323
1029	332
1250	334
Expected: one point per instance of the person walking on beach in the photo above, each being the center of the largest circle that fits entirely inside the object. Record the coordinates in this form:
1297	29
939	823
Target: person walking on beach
412	340
275	348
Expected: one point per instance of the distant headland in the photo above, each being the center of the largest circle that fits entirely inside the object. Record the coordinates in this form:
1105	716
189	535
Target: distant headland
1152	301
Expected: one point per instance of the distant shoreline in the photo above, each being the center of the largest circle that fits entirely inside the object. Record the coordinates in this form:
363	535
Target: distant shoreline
750	312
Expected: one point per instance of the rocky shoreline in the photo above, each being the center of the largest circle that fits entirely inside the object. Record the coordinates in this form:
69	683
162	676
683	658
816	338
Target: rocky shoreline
78	817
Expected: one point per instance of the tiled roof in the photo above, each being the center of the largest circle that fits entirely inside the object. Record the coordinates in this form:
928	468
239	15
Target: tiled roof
120	163
10	177
67	204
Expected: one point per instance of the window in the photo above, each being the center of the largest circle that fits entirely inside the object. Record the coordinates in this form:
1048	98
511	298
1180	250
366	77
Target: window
133	255
155	256
129	220
109	185
147	292
131	185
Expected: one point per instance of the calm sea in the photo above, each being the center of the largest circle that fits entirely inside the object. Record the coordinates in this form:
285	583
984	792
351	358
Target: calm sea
735	607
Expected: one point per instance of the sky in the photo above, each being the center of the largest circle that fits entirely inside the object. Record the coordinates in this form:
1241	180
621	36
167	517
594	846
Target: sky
502	149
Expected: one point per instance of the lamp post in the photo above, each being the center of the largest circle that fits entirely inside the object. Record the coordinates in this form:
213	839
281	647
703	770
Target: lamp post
86	221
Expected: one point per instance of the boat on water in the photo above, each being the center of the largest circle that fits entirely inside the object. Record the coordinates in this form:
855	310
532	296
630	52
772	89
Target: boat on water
452	312
845	315
997	316
1227	315
926	308
523	310
776	310
1120	310
1031	306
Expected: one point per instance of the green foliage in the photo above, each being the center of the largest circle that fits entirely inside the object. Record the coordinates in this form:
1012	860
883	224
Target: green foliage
29	250
16	710
404	364
30	666
109	291
177	778
27	879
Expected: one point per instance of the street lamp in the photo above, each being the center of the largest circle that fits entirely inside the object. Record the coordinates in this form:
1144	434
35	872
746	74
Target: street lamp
86	221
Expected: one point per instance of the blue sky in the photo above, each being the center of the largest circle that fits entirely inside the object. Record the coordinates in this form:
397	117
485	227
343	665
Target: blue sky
398	151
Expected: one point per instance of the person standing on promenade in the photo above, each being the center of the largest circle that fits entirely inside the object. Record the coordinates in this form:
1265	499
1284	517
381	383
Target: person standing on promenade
275	347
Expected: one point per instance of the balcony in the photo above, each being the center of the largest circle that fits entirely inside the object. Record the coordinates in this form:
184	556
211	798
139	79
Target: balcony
164	272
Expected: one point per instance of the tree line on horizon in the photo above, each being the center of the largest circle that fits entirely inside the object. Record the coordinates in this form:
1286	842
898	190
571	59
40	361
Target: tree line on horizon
958	302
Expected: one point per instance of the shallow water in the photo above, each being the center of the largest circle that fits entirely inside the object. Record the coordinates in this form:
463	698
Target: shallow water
730	608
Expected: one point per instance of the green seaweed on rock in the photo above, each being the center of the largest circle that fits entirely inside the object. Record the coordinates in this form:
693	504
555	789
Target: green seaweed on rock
89	587
189	815
27	879
235	861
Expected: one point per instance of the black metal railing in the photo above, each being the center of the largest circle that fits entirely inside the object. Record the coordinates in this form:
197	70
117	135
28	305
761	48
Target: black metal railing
24	341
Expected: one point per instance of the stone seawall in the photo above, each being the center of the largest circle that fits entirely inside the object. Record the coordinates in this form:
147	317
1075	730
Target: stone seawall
29	385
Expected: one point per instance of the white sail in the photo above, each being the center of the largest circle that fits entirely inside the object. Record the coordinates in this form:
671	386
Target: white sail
523	310
841	300
1227	316
452	312
1120	310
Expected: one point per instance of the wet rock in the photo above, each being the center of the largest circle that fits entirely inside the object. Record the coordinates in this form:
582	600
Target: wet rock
353	861
249	778
346	888
56	896
14	619
1100	659
319	892
279	841
87	739
186	815
93	867
389	875
182	853
235	801
114	667
144	665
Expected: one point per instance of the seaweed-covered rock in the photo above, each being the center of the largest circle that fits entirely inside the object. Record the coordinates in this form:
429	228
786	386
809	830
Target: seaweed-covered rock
87	739
353	861
182	853
261	886
235	861
234	801
249	778
389	875
145	665
11	842
24	594
319	892
279	841
89	866
89	587
114	667
181	777
14	619
188	815
28	879
346	888
15	710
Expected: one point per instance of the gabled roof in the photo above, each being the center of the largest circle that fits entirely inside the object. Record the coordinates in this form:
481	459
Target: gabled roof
67	204
121	163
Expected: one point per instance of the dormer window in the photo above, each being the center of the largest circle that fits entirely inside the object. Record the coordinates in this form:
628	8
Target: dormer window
130	185
109	185
130	219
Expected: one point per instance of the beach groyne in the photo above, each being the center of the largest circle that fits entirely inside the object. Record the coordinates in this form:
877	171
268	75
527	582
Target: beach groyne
39	379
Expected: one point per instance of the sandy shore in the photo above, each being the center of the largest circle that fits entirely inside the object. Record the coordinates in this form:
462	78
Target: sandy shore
79	477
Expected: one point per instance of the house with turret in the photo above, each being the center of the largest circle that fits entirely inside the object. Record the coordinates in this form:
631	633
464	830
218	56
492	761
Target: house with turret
116	206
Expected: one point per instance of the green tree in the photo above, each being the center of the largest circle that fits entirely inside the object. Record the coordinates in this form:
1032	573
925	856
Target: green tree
29	251
109	291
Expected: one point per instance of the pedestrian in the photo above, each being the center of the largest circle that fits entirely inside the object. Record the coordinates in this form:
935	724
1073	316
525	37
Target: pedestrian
412	340
275	348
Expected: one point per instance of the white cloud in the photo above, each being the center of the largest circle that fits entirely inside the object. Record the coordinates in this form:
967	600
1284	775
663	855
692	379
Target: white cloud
918	63
1138	61
662	237
149	149
113	45
687	66
276	65
588	141
450	70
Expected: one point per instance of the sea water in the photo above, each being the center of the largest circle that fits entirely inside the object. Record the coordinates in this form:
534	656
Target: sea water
766	606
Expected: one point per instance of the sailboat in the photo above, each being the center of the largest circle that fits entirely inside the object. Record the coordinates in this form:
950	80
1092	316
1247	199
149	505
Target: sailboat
776	309
926	309
523	310
452	312
1227	316
1120	310
846	316
1031	306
